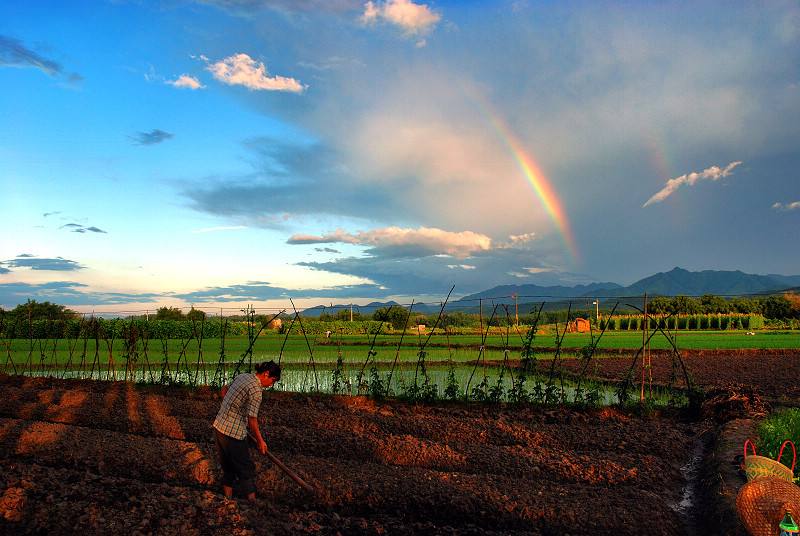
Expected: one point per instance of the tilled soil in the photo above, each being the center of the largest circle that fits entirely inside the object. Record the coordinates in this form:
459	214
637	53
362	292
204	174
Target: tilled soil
774	374
112	457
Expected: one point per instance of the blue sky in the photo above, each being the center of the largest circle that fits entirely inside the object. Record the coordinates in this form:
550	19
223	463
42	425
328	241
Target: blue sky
246	151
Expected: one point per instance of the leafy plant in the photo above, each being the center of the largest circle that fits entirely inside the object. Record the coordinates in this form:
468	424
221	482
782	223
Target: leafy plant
777	428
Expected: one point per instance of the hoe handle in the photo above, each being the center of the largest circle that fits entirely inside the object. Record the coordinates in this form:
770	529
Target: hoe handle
302	483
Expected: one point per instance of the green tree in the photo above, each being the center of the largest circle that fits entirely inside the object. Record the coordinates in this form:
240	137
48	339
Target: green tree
745	306
659	305
777	307
686	305
714	304
42	311
195	314
169	313
396	315
456	318
344	314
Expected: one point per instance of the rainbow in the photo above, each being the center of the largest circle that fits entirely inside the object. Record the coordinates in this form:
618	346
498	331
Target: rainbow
537	179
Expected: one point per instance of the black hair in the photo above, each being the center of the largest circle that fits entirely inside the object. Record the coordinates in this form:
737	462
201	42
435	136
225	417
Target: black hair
271	367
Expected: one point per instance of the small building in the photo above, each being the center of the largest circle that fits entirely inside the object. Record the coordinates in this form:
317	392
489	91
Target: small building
579	325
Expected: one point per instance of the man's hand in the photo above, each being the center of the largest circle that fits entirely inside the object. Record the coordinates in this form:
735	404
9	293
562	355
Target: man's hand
262	447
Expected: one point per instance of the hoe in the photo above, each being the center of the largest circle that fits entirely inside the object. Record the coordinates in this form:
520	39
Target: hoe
302	483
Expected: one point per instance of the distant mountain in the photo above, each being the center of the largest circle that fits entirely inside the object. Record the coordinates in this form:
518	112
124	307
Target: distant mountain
537	293
675	282
788	280
720	282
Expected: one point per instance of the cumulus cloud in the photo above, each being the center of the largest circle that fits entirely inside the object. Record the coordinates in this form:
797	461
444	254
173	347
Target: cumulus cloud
151	138
714	173
787	206
327	250
406	241
186	81
47	214
515	241
57	264
242	70
413	19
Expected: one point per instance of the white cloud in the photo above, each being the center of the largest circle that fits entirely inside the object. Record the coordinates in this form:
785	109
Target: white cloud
787	206
413	19
518	240
242	70
186	81
713	173
436	241
462	266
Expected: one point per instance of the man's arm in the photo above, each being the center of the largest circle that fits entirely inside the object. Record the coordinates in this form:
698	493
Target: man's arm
252	424
223	391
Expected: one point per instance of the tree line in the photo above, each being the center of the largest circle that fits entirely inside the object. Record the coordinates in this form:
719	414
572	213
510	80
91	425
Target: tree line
786	306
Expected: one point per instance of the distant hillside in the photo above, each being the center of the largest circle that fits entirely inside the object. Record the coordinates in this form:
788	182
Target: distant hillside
540	293
680	281
675	282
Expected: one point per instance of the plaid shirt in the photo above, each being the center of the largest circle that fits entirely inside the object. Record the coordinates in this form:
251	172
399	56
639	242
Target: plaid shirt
241	401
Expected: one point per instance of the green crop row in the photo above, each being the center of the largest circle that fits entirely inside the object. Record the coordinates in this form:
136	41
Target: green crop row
120	329
335	327
693	322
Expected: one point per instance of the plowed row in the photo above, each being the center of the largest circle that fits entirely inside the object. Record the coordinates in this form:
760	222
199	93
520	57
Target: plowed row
775	374
103	457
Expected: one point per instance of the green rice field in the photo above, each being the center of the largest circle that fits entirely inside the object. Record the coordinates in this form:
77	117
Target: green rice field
354	348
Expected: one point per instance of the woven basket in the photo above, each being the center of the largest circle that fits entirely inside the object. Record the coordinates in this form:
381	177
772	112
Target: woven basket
762	503
756	466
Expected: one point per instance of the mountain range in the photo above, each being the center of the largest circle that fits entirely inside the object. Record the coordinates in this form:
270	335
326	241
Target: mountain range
677	281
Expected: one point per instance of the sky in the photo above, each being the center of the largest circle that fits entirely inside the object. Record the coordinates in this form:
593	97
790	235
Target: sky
218	153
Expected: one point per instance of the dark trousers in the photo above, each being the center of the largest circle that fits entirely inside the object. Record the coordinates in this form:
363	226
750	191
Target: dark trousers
237	467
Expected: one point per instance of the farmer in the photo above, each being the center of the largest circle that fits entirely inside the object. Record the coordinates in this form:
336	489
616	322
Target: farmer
237	415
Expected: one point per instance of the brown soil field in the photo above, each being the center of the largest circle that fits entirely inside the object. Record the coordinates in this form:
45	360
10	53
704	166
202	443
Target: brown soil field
775	374
116	458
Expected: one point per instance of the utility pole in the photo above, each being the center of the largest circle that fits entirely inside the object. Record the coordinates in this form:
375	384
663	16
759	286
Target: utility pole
516	311
351	312
596	304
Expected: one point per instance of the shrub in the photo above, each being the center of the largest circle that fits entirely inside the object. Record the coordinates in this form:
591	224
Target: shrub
777	428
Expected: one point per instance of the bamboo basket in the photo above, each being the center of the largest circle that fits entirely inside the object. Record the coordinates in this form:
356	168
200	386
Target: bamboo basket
762	503
756	466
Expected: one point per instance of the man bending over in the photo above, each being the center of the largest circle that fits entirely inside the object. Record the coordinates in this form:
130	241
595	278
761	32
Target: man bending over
238	414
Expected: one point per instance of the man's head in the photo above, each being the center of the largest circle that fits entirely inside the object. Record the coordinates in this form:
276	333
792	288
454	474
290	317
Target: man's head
268	373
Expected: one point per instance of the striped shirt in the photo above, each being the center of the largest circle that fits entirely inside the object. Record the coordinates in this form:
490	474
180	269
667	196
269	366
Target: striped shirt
241	401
